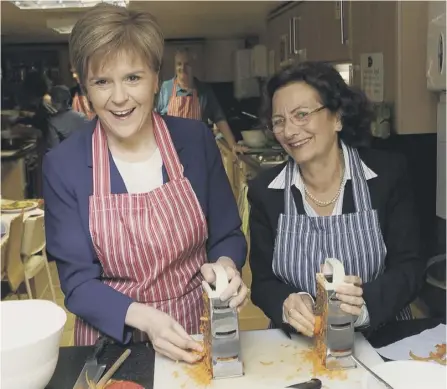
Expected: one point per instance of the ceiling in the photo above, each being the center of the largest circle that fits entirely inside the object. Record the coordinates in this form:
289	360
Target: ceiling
179	19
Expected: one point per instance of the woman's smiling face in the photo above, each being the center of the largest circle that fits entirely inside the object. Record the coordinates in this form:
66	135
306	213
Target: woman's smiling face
304	127
121	90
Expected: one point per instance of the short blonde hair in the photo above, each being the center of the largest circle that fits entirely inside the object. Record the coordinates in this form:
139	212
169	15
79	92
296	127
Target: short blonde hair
183	50
107	30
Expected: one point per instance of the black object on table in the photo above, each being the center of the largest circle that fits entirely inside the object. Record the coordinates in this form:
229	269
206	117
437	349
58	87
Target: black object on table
139	366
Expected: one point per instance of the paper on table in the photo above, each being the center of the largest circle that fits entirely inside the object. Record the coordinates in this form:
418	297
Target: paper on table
420	345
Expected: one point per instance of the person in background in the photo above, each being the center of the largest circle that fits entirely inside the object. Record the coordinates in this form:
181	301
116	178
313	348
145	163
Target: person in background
64	121
138	207
80	102
186	96
35	97
334	198
35	93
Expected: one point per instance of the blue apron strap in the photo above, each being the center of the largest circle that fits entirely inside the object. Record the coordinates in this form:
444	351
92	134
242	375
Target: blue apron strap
289	204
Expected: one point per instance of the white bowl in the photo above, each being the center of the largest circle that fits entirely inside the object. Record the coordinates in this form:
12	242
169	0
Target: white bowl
254	138
407	375
31	331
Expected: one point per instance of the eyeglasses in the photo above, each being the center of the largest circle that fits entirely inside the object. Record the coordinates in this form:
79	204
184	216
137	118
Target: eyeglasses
298	118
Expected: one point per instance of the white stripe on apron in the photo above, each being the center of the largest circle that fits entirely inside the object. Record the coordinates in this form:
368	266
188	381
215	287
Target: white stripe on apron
304	242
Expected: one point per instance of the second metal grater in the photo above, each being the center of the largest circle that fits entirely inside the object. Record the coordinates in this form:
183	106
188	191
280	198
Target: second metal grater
222	331
335	341
225	343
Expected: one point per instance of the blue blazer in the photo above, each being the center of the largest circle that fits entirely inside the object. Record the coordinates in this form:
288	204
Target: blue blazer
67	185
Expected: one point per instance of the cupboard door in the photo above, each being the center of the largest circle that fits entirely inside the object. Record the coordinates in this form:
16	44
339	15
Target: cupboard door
280	36
334	27
305	31
277	33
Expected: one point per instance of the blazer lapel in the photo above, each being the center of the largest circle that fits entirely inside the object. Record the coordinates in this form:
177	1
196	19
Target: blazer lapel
117	185
348	199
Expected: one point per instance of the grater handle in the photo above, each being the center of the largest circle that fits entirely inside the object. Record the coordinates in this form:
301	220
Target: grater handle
221	282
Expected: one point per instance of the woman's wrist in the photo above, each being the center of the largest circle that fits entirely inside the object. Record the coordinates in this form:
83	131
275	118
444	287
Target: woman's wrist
137	316
226	261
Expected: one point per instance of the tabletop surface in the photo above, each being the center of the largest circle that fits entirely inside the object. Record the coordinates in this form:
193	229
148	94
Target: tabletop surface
139	367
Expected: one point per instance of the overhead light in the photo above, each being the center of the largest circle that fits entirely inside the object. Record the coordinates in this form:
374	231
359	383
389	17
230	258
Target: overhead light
58	4
60	25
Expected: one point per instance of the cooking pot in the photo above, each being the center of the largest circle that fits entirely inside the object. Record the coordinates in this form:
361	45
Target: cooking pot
254	138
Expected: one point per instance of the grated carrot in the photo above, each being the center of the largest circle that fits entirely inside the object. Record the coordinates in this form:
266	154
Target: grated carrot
439	356
320	370
201	372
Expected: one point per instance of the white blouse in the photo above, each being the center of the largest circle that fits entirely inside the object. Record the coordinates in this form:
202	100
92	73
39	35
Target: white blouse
141	177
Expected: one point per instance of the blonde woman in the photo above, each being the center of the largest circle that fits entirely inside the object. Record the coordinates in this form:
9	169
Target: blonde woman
137	207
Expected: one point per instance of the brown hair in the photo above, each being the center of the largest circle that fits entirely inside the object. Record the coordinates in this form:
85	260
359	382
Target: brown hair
107	30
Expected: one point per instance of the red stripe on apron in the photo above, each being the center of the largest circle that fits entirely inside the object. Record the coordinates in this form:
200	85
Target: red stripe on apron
184	106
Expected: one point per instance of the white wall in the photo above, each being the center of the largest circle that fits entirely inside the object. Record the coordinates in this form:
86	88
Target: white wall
219	59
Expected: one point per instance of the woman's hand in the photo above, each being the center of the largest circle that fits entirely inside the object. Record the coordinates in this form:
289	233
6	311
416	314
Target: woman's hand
298	309
239	149
167	336
350	294
237	291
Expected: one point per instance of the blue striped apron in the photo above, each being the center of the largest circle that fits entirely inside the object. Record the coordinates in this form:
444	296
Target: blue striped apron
303	243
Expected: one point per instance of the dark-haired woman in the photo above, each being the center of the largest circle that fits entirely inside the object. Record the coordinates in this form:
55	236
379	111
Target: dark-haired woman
334	198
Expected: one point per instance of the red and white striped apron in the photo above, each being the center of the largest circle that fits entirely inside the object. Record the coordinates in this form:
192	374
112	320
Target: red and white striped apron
184	106
80	104
150	245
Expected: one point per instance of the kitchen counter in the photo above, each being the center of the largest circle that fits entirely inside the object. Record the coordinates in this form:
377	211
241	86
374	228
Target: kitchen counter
12	155
139	367
259	160
15	168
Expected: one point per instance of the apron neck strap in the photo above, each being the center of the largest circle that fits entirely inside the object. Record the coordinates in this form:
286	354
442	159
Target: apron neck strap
289	203
360	191
101	159
174	89
101	164
171	160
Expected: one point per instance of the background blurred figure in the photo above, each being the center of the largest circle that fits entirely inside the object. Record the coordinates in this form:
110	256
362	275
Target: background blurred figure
187	97
80	103
35	98
65	120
